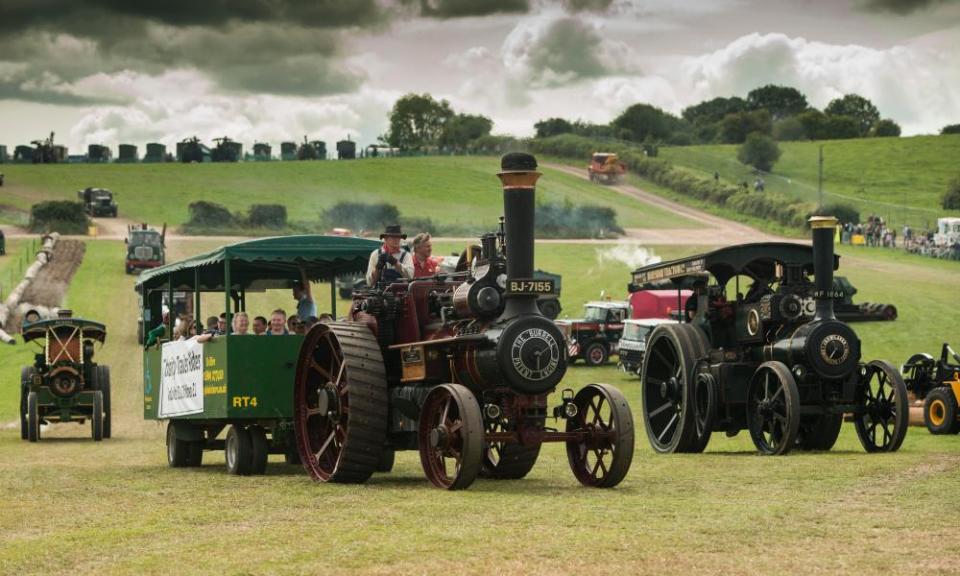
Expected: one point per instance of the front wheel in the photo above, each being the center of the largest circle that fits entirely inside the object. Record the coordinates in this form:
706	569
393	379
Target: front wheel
103	385
596	354
882	420
602	457
96	417
940	411
773	409
33	417
450	437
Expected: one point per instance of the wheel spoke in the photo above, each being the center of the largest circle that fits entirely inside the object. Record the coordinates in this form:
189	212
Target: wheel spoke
665	406
666	428
323	448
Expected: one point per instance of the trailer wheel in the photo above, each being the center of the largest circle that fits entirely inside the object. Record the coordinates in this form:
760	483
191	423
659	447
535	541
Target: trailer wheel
340	403
179	452
450	437
103	385
596	354
239	451
940	411
773	409
33	417
96	417
884	411
666	387
603	457
260	450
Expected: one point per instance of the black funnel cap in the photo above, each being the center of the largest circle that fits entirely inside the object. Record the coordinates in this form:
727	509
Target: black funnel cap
518	162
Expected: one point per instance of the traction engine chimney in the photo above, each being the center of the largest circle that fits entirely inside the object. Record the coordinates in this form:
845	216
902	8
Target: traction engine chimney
823	229
519	175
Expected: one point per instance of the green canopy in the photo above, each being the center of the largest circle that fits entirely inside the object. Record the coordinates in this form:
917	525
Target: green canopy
265	263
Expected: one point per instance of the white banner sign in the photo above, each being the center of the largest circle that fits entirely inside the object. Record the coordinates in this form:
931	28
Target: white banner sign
181	380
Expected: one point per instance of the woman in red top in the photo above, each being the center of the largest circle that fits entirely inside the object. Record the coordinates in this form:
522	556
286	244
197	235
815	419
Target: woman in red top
424	264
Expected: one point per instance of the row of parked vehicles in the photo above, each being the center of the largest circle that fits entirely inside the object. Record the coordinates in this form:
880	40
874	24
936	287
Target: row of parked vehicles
461	366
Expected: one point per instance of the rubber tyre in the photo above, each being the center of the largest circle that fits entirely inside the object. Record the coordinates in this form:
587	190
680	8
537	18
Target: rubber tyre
96	417
178	451
238	451
596	354
940	411
195	454
26	377
33	417
103	385
259	450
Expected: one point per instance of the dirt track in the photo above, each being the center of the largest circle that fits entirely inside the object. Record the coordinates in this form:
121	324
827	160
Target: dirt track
713	231
51	284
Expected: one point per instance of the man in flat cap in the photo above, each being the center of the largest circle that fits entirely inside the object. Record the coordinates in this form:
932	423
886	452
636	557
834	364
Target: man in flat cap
389	262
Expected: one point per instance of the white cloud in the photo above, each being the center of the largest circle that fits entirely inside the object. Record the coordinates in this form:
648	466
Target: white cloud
916	85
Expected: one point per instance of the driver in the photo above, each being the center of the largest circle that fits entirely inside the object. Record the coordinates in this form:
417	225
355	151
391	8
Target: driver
389	262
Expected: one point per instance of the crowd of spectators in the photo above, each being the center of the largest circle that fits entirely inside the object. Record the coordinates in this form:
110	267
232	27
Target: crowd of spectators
875	232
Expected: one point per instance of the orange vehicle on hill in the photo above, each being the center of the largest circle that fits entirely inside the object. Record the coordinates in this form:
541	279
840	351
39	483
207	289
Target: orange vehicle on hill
606	168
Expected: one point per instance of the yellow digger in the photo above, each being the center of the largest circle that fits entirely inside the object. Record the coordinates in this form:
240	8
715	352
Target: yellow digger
937	383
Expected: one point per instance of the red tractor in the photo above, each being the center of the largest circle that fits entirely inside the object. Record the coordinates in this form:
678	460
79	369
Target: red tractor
457	366
606	168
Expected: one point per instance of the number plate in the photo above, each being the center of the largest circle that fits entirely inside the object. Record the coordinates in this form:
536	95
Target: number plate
530	286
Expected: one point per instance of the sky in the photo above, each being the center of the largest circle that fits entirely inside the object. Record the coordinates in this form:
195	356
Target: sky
115	71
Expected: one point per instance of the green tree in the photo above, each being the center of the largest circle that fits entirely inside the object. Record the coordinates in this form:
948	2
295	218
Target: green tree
417	121
552	127
780	101
856	107
789	129
951	129
734	128
759	151
460	130
639	121
886	128
713	111
951	196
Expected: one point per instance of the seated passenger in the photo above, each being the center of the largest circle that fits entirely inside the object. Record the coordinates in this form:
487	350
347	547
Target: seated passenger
222	323
211	324
424	263
278	323
241	324
299	327
187	330
259	325
389	262
309	323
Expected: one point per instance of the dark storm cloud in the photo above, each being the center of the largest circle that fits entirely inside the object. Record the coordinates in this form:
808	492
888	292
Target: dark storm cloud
464	8
587	5
902	7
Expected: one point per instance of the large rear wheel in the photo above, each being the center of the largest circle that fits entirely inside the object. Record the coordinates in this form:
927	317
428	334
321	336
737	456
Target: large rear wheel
884	411
340	403
603	456
820	433
667	388
450	437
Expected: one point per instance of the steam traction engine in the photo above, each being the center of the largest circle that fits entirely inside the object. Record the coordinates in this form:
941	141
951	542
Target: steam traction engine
774	361
458	367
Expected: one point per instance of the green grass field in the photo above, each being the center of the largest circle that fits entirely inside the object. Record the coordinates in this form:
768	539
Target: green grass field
459	192
897	178
116	508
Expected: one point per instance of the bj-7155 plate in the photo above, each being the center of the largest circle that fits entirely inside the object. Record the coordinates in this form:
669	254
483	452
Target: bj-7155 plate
530	286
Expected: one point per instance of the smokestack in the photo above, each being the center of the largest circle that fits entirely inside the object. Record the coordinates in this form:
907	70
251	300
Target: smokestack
823	229
518	174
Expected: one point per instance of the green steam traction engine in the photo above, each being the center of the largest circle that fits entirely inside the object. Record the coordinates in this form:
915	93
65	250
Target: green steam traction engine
457	366
770	361
64	384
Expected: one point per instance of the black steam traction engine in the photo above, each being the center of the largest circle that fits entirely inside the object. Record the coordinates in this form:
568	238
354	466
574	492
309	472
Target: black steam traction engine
458	367
775	361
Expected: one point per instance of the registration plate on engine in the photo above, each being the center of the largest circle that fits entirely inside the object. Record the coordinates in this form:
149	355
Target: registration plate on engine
531	286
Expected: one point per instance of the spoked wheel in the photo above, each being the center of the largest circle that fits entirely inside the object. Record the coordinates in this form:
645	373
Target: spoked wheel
508	460
340	403
884	412
602	457
917	373
773	409
667	388
450	437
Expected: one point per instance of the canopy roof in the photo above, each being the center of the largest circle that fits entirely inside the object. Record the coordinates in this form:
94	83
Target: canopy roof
265	263
759	261
38	329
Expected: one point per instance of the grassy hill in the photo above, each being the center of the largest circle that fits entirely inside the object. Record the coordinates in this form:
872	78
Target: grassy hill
900	179
461	192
